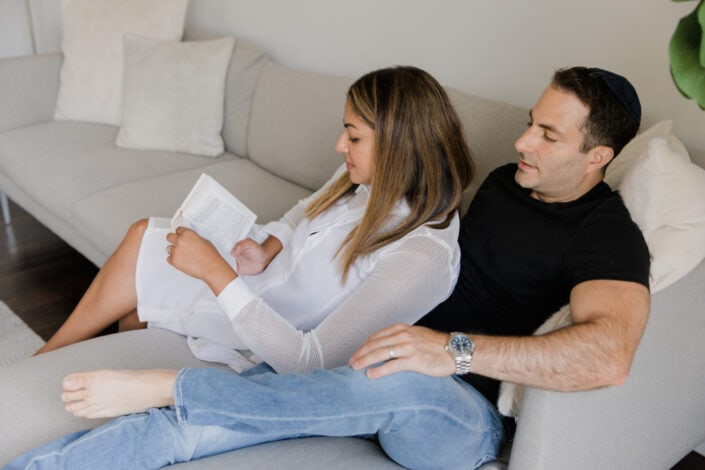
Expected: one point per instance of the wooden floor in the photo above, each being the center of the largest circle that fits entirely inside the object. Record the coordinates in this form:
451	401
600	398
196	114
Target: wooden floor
42	279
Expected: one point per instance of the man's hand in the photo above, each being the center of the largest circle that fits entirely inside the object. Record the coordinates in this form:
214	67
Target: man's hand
253	258
414	348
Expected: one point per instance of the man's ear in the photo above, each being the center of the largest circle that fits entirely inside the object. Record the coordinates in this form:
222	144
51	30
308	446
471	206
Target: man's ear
600	156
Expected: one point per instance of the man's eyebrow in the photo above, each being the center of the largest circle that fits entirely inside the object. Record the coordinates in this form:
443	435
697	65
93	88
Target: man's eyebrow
548	127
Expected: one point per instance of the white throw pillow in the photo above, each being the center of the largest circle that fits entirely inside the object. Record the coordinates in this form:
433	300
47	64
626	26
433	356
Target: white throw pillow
636	149
91	75
665	195
174	95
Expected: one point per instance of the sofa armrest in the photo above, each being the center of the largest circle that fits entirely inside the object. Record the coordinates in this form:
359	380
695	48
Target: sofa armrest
29	88
651	421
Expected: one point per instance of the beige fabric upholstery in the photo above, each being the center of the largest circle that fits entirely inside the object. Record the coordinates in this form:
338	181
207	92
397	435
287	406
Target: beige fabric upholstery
296	120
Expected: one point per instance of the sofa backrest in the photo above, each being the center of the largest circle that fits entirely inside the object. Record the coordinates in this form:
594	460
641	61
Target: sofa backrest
295	122
245	67
297	117
491	127
287	121
246	63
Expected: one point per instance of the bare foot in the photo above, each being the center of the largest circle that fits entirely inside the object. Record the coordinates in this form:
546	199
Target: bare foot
109	393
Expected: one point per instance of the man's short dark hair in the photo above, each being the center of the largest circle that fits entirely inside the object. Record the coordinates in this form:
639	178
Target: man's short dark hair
615	112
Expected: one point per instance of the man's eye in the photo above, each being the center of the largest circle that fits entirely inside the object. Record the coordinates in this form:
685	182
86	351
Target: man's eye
548	139
354	140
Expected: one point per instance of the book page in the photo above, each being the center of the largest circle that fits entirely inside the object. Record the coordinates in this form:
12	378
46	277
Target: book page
217	215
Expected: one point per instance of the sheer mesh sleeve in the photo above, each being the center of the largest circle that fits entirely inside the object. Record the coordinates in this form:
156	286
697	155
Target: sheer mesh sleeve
407	282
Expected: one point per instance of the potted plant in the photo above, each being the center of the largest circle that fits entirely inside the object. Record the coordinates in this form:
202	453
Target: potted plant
687	54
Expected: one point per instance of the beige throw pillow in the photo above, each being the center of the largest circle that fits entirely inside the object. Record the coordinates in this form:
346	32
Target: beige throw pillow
174	94
91	75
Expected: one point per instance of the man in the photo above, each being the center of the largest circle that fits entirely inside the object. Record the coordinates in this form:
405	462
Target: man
539	234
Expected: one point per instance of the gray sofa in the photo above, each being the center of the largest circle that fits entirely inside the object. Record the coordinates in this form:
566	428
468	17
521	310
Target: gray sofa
280	130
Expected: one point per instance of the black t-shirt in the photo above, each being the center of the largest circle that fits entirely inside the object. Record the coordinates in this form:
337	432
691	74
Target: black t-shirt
521	258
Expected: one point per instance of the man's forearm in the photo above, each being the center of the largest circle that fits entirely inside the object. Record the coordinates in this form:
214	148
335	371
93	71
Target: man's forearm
569	359
596	351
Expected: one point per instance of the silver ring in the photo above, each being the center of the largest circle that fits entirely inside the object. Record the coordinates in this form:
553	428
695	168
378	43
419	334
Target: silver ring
390	352
168	250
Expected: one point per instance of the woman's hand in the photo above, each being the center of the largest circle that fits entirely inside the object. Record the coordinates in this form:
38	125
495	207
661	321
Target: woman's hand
253	258
403	347
194	255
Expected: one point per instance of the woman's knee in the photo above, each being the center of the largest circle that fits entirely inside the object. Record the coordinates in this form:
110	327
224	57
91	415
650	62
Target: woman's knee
138	228
136	232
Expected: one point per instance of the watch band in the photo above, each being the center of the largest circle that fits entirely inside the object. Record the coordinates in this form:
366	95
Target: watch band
462	364
462	355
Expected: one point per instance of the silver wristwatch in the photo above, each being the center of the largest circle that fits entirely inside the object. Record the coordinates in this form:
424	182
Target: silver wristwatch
461	348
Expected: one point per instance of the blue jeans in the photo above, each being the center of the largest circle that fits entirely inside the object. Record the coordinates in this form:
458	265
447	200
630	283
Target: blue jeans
420	421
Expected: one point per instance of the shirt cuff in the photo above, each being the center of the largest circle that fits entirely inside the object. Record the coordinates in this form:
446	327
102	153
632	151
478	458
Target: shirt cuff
278	229
234	297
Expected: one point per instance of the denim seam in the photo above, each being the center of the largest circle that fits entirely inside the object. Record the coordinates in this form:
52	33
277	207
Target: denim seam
413	409
181	412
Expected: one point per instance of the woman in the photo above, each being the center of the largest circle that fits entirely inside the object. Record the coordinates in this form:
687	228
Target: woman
375	246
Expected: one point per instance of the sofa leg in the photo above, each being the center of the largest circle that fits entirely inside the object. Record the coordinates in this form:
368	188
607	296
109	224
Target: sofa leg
5	208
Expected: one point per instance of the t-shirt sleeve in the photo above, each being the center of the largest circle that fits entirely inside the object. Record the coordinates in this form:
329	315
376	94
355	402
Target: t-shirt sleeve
610	246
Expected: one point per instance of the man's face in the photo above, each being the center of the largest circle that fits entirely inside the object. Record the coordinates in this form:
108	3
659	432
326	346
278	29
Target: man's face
550	161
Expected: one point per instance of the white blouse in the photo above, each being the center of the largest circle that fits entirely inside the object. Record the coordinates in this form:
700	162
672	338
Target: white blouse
298	315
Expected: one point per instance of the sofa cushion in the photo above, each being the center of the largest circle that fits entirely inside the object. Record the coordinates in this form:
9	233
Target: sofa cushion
91	76
173	95
132	201
37	380
59	163
295	122
330	453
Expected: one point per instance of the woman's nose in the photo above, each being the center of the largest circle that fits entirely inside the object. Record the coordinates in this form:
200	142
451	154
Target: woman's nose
342	145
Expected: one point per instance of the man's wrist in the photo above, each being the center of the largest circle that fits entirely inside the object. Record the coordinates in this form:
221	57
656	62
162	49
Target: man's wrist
461	348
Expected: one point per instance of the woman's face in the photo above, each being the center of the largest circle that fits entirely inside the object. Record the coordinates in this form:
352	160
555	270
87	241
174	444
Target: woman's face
357	145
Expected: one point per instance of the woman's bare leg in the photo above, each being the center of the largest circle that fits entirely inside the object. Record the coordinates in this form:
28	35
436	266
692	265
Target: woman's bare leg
131	321
111	296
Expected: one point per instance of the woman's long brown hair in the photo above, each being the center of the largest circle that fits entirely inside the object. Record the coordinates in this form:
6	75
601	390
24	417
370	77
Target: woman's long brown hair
420	155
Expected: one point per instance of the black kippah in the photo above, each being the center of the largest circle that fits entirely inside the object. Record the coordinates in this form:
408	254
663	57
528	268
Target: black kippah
622	89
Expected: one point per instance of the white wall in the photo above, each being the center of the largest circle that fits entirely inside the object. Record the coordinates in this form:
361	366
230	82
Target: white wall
15	38
505	50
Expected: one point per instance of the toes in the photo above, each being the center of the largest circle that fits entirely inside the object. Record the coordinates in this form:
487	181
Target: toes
78	408
74	381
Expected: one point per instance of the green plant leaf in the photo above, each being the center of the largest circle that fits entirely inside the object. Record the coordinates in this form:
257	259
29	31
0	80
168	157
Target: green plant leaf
701	19
685	52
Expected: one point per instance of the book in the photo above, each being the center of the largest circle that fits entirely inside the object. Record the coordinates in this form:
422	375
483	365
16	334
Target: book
215	214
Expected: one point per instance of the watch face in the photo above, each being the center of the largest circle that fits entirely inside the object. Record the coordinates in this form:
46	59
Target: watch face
461	344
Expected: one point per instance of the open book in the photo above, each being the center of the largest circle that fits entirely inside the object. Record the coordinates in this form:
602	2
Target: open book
213	212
